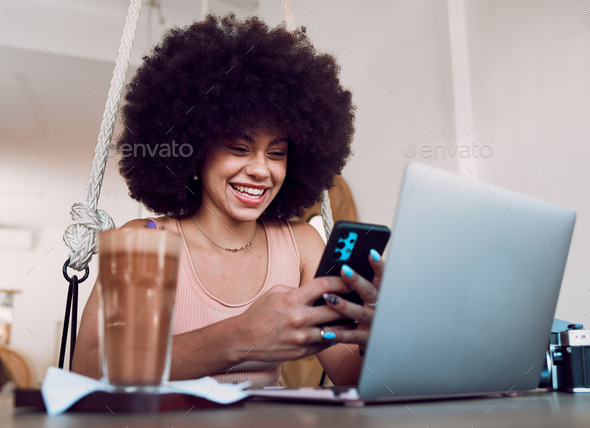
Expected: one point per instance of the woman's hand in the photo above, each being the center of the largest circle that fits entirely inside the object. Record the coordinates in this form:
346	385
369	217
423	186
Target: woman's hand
362	314
283	324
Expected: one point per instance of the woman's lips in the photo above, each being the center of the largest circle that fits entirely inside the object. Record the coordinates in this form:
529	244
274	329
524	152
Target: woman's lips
249	195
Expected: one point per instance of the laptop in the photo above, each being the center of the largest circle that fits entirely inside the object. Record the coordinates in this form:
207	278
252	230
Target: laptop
468	295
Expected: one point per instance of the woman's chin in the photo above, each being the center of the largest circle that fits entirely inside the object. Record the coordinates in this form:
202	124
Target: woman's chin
247	214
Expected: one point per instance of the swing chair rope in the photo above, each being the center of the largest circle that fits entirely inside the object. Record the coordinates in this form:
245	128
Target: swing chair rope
289	19
325	208
81	236
326	211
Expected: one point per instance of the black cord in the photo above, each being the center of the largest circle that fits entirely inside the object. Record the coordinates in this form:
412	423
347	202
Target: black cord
64	334
71	315
323	378
74	318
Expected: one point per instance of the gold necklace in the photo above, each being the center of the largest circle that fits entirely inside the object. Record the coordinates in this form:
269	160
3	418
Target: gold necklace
233	250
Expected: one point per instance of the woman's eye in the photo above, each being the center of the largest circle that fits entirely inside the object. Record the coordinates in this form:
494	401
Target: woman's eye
238	149
278	154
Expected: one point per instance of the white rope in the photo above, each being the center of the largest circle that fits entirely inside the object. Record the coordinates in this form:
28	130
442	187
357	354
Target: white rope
288	11
81	236
325	208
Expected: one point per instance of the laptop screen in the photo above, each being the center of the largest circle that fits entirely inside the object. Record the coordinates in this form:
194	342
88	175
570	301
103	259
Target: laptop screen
469	290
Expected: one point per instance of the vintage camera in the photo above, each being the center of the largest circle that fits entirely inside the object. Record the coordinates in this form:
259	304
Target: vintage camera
567	366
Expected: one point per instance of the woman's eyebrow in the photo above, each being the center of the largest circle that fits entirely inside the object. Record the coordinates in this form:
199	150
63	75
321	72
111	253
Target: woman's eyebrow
279	140
275	141
246	137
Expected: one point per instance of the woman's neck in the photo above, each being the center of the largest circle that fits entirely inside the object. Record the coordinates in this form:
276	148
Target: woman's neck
222	231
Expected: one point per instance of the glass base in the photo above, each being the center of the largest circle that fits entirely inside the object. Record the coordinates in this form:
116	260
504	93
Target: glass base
134	388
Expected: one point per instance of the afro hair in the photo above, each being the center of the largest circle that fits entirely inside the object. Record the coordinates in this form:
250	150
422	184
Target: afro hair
216	79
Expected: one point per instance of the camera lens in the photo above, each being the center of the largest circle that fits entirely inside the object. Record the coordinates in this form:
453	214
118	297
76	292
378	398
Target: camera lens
546	380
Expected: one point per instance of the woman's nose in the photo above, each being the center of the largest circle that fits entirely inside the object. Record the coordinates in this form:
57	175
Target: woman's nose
257	167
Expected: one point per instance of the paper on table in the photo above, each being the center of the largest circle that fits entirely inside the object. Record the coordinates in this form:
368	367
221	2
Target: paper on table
61	389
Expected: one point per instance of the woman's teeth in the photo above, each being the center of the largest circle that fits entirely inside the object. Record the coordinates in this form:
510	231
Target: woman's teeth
249	192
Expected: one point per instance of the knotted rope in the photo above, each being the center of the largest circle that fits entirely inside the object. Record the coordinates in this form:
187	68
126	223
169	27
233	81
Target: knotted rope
81	236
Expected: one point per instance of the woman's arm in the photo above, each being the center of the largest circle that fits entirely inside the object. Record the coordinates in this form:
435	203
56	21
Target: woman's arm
194	354
277	327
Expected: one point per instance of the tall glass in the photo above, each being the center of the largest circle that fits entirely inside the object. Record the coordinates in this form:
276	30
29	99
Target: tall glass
137	276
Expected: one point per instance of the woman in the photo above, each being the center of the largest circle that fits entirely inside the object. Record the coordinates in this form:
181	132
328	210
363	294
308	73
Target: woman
231	130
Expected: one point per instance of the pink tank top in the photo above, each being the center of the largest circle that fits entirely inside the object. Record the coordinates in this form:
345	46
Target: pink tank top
195	307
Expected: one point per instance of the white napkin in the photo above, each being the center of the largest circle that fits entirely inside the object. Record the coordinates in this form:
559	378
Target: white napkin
61	389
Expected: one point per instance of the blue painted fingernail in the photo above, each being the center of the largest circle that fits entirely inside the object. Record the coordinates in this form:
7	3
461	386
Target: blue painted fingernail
151	224
331	298
375	255
347	270
329	335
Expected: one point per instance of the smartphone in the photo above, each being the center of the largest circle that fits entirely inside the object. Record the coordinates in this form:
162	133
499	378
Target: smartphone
350	243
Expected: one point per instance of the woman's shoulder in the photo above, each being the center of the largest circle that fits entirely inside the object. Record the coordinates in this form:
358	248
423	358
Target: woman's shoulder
310	245
303	229
306	235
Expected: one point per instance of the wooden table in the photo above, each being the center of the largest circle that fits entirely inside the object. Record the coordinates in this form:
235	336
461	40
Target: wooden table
535	409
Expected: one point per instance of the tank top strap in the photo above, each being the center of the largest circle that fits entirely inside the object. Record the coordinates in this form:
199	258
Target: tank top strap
284	259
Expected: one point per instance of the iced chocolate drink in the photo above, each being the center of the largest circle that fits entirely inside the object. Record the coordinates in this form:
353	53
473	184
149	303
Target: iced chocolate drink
137	281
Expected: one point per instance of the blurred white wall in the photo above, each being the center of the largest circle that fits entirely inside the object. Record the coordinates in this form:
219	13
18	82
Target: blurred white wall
504	81
530	83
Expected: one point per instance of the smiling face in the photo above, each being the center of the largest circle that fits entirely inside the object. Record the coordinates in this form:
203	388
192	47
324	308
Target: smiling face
241	177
